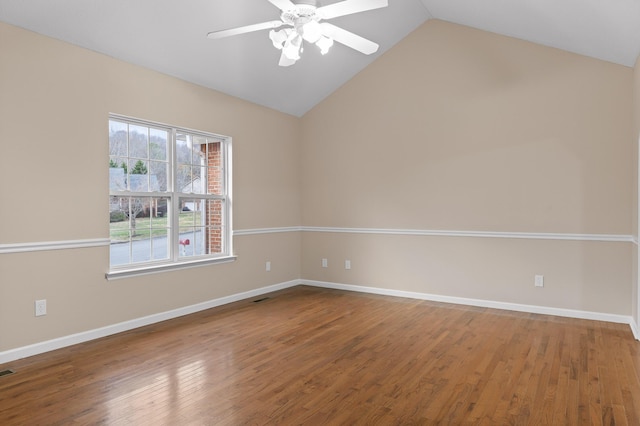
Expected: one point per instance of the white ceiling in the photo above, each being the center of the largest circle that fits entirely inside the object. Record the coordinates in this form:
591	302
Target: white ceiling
170	36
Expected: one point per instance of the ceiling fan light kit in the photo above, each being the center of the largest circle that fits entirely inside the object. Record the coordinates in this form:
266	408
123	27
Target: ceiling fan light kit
303	21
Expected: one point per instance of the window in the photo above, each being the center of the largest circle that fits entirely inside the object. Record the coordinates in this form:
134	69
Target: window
169	198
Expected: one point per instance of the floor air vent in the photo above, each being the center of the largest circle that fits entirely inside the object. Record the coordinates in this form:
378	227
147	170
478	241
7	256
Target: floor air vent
261	300
6	372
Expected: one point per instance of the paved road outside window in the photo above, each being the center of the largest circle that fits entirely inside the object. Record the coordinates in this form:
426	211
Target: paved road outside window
154	249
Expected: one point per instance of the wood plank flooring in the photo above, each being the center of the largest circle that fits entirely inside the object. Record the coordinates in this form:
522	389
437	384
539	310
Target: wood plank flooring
326	357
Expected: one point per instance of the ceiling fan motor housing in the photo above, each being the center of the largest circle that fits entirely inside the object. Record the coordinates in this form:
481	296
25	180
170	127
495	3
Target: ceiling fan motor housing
300	15
313	3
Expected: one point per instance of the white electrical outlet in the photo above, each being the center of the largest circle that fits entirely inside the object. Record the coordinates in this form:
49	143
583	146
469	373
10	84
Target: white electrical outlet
539	281
267	266
41	307
325	263
347	264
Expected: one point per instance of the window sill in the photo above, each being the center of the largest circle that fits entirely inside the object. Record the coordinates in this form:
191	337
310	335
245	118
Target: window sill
154	269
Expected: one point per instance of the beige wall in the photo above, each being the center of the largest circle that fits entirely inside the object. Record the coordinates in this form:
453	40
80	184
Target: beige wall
636	101
452	129
593	277
457	129
54	104
635	139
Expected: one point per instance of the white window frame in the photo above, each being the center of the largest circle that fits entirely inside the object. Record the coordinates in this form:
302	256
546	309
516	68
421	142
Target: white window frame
175	261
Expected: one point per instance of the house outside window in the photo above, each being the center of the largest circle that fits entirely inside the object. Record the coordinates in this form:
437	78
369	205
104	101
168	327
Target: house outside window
169	195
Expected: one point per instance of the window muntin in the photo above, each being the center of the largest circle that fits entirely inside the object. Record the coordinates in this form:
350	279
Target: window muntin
169	194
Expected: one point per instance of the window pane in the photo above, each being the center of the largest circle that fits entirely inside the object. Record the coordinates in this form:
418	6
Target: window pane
200	140
195	174
190	242
214	220
183	148
117	138
190	212
139	178
160	244
159	212
138	141
198	243
117	179
159	175
184	178
190	223
199	155
199	169
141	249
199	182
201	227
119	252
190	180
119	218
139	229
119	230
158	144
215	175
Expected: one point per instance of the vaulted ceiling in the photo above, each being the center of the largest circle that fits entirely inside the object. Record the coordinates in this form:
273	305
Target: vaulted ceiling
170	36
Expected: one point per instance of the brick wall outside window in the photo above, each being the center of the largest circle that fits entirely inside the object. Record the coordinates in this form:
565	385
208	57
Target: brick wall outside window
214	208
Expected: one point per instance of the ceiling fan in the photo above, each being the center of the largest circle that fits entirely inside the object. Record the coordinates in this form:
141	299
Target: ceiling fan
302	20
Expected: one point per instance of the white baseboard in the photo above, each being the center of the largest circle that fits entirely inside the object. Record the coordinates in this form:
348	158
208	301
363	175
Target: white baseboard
571	313
635	329
85	336
50	345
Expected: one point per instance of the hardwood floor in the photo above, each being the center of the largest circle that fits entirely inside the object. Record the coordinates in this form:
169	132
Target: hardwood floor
317	357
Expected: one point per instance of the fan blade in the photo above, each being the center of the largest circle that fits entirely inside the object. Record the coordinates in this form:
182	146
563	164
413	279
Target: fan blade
245	29
347	7
348	38
283	5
